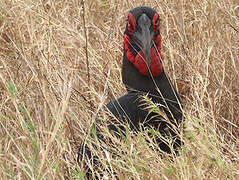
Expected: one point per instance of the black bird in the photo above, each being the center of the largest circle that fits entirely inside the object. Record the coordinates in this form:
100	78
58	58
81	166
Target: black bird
143	74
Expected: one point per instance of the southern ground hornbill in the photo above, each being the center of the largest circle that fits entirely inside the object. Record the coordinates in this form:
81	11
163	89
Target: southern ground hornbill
143	74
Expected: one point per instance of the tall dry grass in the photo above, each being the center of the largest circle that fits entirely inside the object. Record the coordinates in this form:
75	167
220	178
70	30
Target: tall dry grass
49	99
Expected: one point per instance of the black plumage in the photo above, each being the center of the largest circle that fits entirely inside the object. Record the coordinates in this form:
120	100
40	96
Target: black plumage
158	88
143	74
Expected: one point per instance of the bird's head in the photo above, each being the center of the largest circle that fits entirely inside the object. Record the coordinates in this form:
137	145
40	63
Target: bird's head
142	41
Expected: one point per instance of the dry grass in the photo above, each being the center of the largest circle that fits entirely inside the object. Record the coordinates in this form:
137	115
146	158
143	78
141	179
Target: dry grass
47	103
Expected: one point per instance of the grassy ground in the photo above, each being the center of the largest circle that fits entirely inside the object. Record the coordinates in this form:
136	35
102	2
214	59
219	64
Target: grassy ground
49	96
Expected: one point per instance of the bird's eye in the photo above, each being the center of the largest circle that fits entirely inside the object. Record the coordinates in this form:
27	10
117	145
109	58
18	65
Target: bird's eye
157	22
131	23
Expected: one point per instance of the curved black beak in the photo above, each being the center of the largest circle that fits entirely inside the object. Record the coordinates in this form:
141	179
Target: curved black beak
143	37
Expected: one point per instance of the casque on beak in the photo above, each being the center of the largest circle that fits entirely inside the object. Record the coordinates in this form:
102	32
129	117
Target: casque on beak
143	38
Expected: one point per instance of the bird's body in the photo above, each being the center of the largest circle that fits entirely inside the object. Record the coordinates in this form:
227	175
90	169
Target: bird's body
131	109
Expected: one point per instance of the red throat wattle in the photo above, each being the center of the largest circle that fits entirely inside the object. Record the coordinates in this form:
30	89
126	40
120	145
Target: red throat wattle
139	61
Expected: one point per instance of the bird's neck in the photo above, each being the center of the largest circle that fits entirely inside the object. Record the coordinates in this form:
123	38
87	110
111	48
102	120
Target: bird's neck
136	81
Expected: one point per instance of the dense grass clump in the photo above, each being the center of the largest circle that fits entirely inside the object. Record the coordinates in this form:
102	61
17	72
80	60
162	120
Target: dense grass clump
60	64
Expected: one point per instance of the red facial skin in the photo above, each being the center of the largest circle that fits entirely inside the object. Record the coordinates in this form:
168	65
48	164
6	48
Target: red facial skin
139	61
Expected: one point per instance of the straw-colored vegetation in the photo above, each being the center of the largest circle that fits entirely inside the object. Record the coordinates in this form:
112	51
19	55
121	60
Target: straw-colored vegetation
49	98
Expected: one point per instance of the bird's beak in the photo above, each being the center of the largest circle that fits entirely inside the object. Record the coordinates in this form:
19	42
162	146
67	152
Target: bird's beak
143	37
146	46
